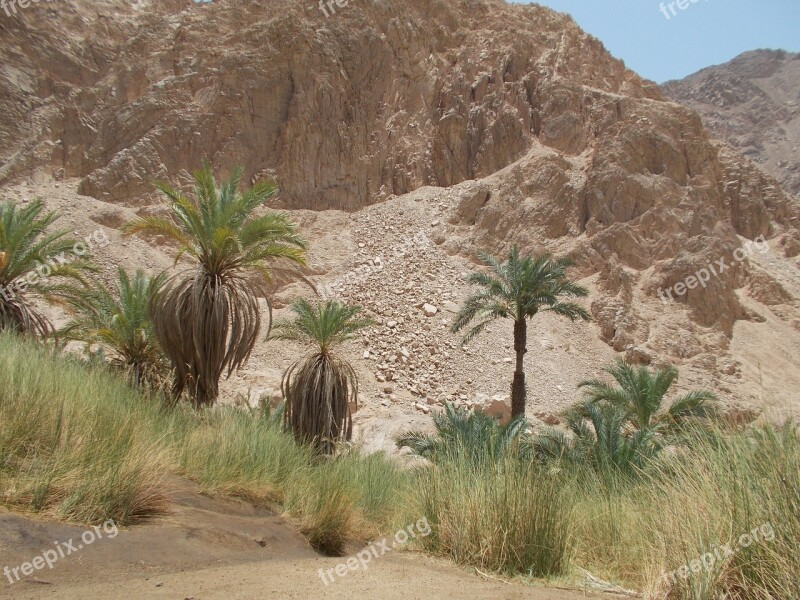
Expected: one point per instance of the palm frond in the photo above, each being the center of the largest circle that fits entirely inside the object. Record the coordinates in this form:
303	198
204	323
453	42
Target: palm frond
120	322
323	325
473	435
35	262
697	404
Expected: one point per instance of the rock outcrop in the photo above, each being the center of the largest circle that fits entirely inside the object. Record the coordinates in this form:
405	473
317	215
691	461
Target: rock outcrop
753	103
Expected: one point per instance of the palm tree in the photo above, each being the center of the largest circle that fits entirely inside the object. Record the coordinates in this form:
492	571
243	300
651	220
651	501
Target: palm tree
598	438
640	397
459	431
121	323
207	319
320	387
33	264
519	289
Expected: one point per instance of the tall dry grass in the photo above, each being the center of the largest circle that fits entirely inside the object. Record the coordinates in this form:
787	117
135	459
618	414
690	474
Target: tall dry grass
687	505
77	443
508	516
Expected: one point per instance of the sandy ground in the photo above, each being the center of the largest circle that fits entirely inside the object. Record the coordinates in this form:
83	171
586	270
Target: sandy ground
402	576
217	548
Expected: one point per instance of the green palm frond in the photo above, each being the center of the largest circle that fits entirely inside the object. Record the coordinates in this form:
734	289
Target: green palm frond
323	325
120	322
697	404
421	444
641	395
570	310
35	263
473	435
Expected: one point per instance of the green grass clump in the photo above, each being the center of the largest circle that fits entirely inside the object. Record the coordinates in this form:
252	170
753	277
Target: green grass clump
80	444
509	516
76	442
701	498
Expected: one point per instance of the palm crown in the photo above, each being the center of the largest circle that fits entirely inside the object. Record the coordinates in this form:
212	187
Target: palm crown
27	249
119	321
600	439
324	325
640	396
518	289
217	227
475	435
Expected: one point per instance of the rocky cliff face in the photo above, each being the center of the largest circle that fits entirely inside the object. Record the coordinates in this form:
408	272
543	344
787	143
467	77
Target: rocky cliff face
753	103
525	128
377	99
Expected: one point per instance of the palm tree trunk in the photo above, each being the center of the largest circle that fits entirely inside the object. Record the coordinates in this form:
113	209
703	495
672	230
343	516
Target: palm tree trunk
518	393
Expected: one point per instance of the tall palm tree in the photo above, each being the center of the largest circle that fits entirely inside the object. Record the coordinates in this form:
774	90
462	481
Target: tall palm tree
121	323
207	318
519	289
33	264
320	387
640	396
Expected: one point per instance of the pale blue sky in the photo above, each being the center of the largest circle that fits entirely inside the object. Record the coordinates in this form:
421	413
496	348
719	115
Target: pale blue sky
707	32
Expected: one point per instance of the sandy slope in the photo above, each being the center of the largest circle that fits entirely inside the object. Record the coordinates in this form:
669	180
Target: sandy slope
393	257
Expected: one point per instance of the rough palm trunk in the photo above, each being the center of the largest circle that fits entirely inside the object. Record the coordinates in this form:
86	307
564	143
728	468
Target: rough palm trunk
518	393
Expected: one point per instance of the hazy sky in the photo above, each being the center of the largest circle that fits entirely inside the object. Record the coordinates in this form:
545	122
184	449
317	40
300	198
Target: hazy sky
706	32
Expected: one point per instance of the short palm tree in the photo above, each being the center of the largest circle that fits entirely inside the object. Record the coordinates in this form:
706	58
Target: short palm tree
640	396
320	387
598	438
33	264
474	435
120	323
519	289
207	318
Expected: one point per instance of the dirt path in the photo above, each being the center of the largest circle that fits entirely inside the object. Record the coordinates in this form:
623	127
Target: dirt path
403	576
217	548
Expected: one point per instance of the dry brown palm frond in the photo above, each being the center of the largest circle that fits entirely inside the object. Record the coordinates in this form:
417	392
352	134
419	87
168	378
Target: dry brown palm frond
207	325
20	317
319	391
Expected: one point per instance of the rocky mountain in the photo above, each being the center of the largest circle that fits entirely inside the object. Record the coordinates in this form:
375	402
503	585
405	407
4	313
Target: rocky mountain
753	103
406	134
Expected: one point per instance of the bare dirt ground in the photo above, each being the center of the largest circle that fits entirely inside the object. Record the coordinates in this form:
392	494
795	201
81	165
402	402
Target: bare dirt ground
213	548
402	576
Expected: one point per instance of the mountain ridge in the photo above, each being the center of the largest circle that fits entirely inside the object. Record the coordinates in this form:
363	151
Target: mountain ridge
753	103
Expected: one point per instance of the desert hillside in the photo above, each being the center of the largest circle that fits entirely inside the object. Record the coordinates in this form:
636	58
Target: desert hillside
753	103
403	145
242	241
